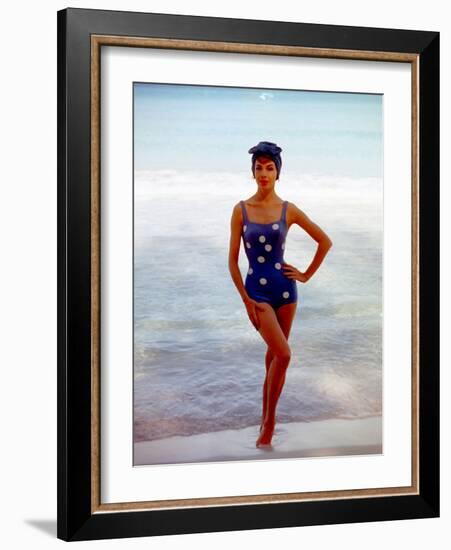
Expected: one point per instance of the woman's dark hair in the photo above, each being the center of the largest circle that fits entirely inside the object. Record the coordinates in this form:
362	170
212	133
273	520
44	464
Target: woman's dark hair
267	149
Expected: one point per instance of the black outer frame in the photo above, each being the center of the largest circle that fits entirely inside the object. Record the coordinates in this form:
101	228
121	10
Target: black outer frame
75	520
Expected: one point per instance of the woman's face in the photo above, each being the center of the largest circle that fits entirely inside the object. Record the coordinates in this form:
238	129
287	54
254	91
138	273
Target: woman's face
265	172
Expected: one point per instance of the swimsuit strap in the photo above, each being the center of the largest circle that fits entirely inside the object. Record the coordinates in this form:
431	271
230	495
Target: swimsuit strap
243	208
284	210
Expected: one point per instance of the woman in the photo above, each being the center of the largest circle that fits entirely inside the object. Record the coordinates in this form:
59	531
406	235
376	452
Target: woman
270	292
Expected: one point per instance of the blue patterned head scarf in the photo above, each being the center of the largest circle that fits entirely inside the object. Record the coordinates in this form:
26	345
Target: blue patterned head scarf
267	149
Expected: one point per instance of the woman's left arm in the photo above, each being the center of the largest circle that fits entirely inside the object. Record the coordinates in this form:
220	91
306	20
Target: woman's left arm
324	244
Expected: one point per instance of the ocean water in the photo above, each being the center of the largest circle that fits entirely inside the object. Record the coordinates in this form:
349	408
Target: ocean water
187	126
198	361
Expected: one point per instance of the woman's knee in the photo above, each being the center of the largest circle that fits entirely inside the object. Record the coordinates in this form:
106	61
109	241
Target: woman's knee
283	354
273	335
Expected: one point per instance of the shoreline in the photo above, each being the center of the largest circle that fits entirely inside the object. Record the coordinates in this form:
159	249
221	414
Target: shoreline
319	438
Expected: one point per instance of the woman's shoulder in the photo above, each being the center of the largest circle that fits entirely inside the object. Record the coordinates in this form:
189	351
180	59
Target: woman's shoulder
247	200
293	212
292	206
238	207
237	211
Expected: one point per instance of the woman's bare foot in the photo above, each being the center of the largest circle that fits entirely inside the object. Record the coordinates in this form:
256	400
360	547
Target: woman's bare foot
266	433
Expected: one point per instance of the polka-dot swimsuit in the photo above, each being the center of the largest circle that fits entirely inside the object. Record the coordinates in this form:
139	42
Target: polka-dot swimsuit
264	244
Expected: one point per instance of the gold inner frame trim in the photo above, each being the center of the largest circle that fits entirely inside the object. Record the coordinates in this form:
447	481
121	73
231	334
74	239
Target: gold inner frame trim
97	41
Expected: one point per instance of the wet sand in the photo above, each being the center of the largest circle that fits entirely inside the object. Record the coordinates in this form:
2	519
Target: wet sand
322	438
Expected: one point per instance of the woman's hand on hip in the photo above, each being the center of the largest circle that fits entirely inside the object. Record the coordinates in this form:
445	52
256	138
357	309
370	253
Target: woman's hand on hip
293	273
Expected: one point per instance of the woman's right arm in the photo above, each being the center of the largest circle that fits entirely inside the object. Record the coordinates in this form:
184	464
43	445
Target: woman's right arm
234	251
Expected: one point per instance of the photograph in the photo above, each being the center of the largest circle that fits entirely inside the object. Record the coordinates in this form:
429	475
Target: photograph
248	247
230	221
257	273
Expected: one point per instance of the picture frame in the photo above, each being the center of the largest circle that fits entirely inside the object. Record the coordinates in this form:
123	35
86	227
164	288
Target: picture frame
82	33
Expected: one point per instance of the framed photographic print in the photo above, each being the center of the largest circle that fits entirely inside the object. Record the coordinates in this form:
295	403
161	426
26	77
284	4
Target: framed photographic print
248	274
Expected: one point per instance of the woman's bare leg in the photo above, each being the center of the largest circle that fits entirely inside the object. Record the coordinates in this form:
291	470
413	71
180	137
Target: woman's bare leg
268	358
285	315
275	381
273	335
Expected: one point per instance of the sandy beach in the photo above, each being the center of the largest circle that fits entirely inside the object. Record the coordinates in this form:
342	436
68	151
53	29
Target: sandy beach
322	438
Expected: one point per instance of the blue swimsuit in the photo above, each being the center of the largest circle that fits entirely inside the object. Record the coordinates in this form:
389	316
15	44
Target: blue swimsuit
264	244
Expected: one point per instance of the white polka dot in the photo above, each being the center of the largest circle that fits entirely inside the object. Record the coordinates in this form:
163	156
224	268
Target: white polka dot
261	259
262	238
277	265
286	294
250	271
283	246
248	245
268	247
244	227
263	281
275	226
